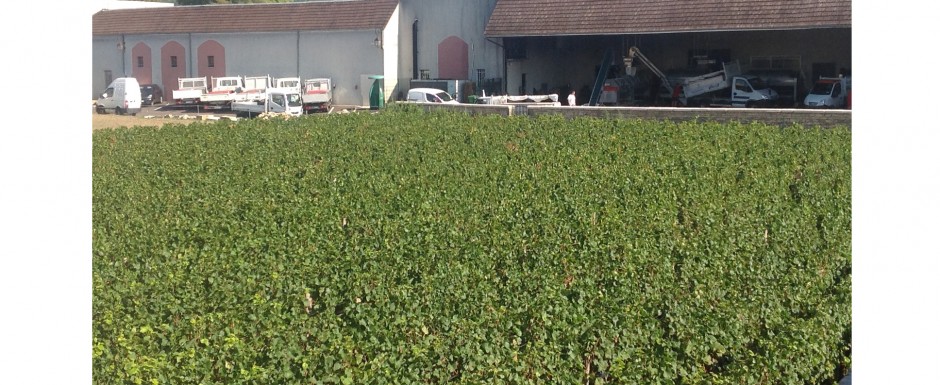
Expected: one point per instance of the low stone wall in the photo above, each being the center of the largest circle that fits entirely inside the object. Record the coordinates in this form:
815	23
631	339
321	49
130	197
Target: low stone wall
774	116
472	109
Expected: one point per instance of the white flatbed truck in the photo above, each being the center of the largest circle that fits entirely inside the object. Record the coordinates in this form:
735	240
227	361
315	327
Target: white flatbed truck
317	94
725	87
277	100
253	89
190	90
223	92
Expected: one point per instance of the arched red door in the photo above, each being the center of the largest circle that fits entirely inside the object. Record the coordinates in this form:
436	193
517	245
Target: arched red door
142	67
172	67
452	59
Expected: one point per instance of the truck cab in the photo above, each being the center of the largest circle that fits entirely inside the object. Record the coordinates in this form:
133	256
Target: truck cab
277	100
747	92
828	93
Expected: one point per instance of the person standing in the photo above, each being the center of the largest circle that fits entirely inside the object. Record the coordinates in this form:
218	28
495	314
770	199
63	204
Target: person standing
572	100
676	92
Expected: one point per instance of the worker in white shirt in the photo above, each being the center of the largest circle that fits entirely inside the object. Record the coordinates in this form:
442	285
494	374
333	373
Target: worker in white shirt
571	99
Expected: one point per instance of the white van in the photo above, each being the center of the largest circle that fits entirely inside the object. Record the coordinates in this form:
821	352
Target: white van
122	96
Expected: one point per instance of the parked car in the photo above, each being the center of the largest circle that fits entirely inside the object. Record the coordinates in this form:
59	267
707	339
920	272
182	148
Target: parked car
430	95
151	94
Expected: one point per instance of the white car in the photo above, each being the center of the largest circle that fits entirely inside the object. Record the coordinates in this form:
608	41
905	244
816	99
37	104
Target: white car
430	95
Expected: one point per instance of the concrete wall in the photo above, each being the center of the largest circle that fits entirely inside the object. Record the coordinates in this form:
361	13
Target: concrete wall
471	109
105	56
392	55
779	117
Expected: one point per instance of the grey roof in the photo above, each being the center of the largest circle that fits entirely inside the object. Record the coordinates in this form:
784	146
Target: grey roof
615	17
308	16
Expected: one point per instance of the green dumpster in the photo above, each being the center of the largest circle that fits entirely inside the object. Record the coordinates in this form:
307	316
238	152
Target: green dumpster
472	99
377	92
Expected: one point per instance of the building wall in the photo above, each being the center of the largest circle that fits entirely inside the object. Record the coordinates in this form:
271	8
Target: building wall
342	56
438	20
391	54
106	57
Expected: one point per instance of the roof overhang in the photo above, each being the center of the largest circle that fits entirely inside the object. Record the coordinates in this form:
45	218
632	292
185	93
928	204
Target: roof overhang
230	18
532	18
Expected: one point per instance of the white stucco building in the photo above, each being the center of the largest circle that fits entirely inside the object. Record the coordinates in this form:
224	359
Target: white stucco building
348	41
504	46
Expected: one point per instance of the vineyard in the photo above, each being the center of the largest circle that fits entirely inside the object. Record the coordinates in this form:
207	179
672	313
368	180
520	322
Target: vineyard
424	248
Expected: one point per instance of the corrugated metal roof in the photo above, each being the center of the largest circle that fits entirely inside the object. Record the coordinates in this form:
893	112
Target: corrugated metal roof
614	17
309	16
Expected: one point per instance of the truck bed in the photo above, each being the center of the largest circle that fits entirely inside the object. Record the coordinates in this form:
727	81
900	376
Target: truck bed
187	94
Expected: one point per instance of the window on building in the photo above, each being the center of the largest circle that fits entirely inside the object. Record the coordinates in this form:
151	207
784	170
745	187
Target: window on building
173	61
211	61
425	74
140	62
481	75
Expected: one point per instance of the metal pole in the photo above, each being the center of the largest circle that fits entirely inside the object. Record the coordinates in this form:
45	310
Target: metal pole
189	57
298	54
123	57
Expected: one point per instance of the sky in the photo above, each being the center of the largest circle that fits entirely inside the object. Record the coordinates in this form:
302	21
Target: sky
45	195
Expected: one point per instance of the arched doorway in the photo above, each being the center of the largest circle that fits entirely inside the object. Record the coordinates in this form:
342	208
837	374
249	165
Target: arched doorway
172	66
142	63
452	59
211	59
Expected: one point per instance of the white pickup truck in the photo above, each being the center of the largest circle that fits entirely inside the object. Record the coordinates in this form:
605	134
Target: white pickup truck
724	88
223	92
190	90
317	94
253	89
278	100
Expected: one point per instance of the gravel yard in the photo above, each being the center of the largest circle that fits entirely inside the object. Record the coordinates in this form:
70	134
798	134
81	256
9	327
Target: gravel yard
158	117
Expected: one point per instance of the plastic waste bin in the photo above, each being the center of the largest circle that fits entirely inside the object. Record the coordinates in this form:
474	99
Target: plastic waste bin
377	92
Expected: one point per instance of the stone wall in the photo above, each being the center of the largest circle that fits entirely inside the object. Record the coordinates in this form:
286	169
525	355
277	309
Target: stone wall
472	109
774	116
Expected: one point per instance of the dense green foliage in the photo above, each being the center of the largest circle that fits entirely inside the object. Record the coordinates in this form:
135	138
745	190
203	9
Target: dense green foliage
409	247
